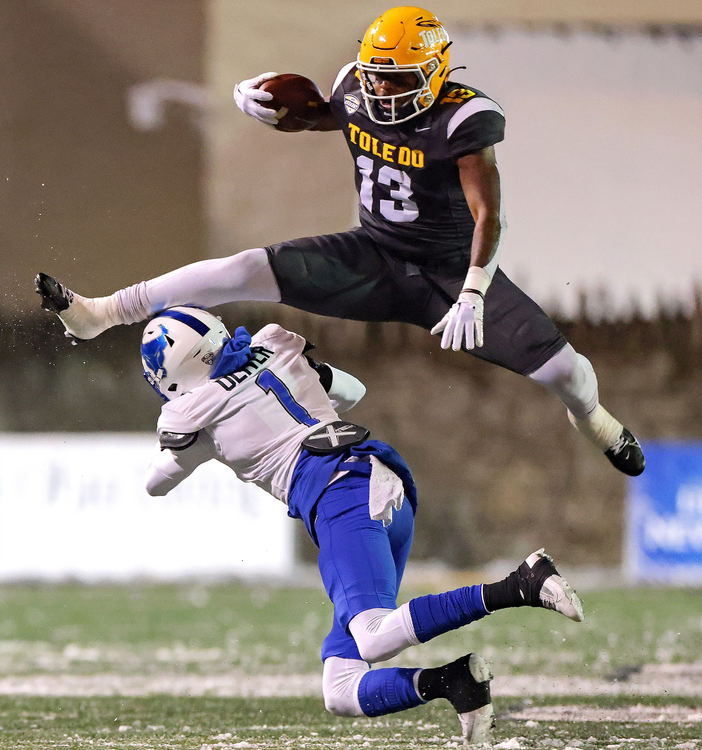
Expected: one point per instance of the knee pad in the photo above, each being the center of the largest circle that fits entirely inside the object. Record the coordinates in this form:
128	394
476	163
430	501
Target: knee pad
382	633
340	679
572	378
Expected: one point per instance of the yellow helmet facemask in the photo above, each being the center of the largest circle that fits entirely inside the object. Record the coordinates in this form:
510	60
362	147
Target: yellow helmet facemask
404	40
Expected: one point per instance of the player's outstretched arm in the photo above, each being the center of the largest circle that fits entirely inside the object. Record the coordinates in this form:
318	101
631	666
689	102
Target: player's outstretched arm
172	463
462	326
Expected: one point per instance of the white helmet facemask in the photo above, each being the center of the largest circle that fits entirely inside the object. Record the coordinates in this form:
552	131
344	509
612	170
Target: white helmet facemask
396	108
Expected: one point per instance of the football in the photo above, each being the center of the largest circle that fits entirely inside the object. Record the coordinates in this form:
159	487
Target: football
299	97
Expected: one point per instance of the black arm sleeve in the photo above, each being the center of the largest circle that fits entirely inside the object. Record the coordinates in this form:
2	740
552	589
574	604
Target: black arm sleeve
323	371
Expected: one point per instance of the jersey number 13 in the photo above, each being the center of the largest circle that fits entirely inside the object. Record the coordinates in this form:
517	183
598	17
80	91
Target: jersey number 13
401	207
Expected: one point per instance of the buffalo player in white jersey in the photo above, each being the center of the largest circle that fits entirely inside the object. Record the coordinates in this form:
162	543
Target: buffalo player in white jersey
267	410
426	251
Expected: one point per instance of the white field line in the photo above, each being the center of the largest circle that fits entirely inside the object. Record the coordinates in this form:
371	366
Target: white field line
640	713
684	680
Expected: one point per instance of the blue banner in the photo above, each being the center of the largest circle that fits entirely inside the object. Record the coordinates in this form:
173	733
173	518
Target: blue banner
664	515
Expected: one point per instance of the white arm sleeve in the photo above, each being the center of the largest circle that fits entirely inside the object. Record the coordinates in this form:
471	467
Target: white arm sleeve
345	390
168	468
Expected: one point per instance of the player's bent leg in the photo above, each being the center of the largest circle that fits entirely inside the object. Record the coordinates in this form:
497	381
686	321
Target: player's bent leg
465	683
350	688
243	276
340	680
572	378
383	633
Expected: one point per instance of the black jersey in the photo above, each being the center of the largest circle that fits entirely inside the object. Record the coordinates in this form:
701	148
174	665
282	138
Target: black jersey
410	197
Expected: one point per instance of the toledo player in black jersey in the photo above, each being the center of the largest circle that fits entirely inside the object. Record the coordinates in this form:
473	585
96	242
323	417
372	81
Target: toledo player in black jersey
426	250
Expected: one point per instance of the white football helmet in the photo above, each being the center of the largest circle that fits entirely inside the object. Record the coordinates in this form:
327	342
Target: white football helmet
178	349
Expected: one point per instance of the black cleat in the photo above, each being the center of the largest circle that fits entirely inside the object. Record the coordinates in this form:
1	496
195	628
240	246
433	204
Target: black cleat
541	586
626	455
465	683
54	296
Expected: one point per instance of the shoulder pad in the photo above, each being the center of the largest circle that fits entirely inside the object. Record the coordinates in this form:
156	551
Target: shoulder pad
270	330
342	74
176	441
472	107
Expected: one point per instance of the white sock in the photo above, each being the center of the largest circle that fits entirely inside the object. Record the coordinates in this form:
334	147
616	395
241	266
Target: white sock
600	427
88	317
244	276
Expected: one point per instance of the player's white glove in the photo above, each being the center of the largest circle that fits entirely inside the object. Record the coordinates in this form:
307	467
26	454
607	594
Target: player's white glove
248	98
463	321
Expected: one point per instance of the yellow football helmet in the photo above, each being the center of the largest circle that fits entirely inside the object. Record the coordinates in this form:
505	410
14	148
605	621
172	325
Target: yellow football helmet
404	40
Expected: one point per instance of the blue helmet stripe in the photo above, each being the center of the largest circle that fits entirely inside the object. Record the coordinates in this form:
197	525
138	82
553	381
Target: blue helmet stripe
189	320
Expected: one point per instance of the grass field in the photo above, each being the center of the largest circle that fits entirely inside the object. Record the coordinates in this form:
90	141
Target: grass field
230	666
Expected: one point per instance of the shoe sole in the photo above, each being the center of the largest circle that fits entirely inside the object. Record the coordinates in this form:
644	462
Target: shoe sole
564	600
477	725
568	603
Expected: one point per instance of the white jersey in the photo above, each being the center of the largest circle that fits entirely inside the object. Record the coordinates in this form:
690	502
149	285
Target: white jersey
253	420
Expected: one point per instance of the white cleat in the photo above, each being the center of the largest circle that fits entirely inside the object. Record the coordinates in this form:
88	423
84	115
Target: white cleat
477	725
541	586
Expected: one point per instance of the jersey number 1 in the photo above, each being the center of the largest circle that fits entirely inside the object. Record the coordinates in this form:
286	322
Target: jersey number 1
269	382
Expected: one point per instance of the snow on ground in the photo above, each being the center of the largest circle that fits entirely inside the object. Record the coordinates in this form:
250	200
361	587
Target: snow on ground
634	714
651	680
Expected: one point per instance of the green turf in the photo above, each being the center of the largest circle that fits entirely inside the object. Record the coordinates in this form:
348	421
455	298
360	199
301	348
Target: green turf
201	629
234	629
227	723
